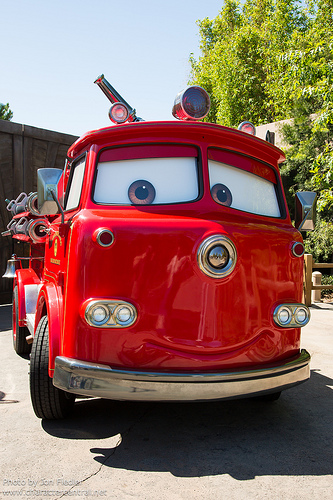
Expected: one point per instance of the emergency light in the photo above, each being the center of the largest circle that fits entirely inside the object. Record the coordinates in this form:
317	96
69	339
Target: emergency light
119	113
247	127
193	103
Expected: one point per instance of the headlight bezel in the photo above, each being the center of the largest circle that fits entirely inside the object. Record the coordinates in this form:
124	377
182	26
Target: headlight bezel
203	253
112	308
293	310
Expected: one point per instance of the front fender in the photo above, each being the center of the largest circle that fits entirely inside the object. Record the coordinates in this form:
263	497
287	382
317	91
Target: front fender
22	278
50	302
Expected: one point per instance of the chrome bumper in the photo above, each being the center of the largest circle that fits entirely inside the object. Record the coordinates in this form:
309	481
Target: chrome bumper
91	379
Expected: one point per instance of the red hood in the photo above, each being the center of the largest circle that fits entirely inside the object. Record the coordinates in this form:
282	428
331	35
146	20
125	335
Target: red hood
153	264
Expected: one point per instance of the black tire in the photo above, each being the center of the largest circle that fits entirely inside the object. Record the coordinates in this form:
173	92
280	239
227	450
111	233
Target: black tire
48	402
20	333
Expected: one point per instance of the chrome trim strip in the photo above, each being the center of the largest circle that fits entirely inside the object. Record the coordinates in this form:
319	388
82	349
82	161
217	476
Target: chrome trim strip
91	379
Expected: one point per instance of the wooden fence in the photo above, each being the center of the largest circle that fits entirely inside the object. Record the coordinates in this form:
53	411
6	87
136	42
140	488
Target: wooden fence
309	265
23	149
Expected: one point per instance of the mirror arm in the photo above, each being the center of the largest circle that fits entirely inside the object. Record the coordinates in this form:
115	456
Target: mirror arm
58	205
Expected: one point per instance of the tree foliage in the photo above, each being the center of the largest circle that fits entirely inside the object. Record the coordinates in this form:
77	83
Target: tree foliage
309	162
320	242
309	70
5	112
268	60
242	61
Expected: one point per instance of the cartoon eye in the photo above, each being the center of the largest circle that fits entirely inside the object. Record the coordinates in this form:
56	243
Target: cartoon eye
141	192
221	194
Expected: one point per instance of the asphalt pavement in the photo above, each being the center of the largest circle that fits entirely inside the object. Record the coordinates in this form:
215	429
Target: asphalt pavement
242	449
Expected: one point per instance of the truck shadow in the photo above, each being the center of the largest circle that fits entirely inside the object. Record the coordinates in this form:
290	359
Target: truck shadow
244	438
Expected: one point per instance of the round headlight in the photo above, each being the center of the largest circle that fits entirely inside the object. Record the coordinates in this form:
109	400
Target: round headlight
284	316
301	315
218	256
124	315
99	314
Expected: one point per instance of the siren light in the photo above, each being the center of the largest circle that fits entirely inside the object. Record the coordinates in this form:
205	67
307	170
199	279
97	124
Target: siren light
119	112
247	127
193	103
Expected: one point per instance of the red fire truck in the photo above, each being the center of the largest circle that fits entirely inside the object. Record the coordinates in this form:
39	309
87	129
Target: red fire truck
163	265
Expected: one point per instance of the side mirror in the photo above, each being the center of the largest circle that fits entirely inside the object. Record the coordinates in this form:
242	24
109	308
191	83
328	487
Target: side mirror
305	210
50	189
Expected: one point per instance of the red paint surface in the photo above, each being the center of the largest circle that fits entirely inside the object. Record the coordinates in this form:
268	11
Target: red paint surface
186	321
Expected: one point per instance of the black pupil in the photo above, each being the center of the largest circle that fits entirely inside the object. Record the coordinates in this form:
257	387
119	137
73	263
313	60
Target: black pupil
141	192
222	195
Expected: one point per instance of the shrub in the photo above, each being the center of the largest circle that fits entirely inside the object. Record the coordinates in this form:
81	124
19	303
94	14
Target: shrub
320	242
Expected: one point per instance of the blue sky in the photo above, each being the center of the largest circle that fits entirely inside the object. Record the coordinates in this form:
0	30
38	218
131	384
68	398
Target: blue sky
51	53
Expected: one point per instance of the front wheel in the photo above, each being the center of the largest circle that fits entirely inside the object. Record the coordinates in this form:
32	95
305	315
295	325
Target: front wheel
48	401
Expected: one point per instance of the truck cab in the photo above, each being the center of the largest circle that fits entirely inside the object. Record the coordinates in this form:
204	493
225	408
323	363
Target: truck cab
167	268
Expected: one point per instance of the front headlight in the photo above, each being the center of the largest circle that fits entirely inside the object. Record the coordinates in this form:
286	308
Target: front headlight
217	256
291	315
109	313
124	315
99	314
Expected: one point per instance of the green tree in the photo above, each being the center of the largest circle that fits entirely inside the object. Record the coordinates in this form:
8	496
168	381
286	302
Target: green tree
241	63
5	112
268	60
320	242
306	167
309	71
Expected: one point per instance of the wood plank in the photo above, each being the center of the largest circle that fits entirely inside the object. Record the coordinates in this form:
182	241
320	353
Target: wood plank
49	135
18	183
29	173
51	154
39	154
317	265
308	262
6	164
37	133
10	127
5	216
23	149
61	156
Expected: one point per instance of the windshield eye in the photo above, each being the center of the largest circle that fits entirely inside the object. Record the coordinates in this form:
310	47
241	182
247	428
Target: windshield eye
141	192
221	194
